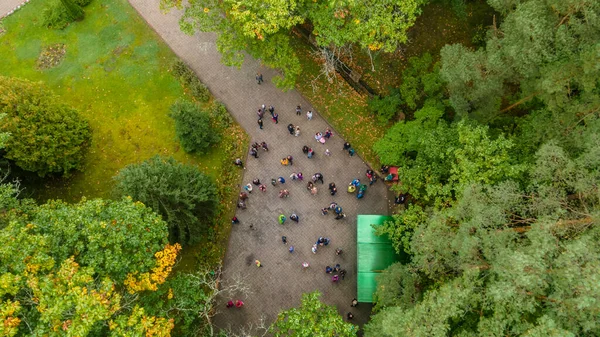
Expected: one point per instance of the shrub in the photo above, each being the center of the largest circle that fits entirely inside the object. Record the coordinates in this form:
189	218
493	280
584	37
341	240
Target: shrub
480	36
46	136
55	15
74	12
193	127
82	3
185	197
385	108
189	79
179	69
199	90
58	14
220	115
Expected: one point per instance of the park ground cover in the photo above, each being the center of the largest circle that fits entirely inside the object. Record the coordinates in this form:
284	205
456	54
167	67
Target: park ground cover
116	72
345	109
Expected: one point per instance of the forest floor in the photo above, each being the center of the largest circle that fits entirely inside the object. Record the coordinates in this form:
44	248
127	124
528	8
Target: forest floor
116	72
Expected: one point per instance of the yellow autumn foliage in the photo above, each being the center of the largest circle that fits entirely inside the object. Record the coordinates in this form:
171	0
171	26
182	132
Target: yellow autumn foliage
165	259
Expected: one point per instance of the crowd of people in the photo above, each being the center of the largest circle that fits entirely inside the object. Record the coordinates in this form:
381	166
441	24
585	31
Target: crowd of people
335	272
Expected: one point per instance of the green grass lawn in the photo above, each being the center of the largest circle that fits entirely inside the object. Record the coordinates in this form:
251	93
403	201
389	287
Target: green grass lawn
116	72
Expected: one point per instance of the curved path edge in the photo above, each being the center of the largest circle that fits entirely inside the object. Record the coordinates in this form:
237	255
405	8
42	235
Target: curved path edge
277	285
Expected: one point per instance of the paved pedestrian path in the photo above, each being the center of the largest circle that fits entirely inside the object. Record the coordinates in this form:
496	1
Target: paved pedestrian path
281	281
6	6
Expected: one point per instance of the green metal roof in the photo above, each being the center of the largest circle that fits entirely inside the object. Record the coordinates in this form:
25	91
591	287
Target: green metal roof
375	253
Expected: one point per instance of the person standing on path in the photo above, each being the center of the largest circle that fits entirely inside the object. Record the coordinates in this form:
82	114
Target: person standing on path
318	177
271	109
260	123
235	220
309	115
276	118
259	78
298	110
284	240
297	131
291	129
257	263
332	189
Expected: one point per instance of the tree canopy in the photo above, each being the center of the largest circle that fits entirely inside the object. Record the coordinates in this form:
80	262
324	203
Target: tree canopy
47	136
63	267
542	50
504	258
261	28
193	127
312	318
184	196
503	182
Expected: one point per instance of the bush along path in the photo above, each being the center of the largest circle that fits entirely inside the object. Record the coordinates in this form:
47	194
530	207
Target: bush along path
281	280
